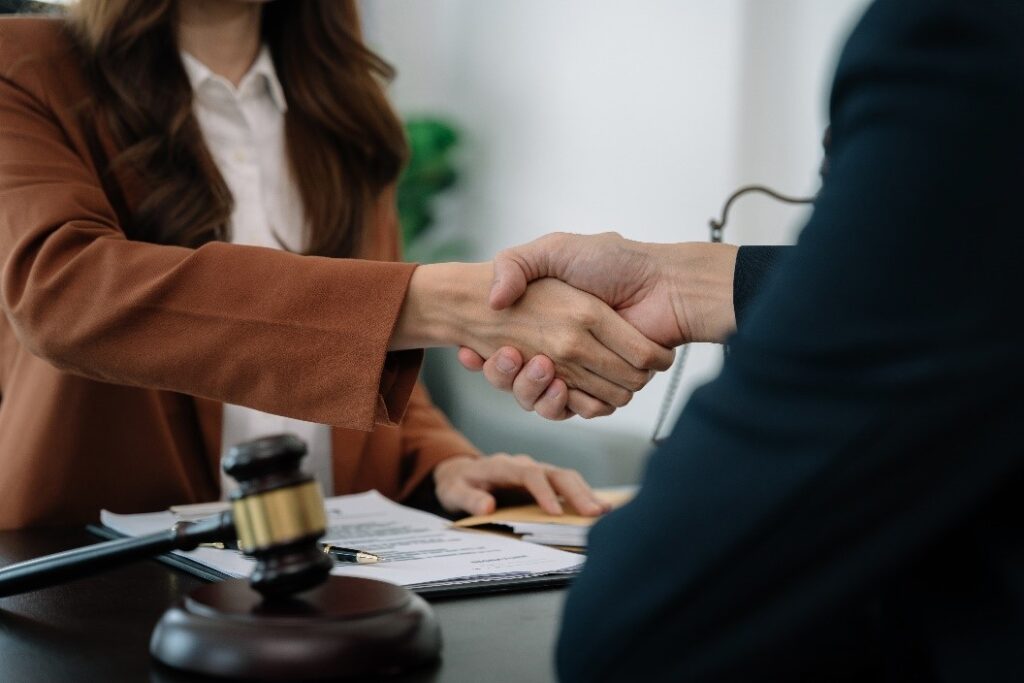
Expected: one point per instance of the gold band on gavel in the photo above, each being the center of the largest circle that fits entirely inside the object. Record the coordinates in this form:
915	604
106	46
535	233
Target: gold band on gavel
265	520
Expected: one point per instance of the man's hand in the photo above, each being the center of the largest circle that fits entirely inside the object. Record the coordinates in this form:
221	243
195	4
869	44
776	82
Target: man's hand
466	483
672	293
624	274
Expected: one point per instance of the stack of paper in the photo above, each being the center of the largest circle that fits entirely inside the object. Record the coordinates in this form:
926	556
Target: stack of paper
552	534
417	549
534	525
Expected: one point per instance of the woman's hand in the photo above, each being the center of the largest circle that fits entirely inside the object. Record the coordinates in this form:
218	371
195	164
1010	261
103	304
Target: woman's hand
534	384
592	348
466	483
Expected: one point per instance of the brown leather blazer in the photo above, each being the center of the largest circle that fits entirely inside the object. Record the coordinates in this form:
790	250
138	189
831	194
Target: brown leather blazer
115	354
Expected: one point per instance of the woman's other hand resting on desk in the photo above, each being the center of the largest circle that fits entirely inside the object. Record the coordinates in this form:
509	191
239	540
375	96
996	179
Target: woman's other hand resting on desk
466	484
672	293
592	349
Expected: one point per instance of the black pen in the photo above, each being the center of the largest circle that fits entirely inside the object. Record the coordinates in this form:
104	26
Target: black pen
349	555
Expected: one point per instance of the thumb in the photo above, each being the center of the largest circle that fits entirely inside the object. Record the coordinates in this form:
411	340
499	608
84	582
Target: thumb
463	496
515	268
510	280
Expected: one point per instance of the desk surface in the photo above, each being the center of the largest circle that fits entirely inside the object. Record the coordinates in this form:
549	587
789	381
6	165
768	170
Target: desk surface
97	629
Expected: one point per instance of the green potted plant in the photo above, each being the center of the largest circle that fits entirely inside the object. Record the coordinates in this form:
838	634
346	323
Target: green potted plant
430	172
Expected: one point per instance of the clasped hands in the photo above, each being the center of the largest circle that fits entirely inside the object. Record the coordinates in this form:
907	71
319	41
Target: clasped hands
670	293
572	324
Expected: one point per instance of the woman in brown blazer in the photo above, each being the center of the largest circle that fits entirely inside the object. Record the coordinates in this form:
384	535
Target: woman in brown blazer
144	308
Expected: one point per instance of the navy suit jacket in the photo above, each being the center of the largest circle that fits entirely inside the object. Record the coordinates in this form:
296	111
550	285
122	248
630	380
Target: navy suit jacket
844	502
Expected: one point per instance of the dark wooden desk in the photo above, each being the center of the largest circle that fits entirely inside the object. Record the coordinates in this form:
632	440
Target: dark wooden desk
97	629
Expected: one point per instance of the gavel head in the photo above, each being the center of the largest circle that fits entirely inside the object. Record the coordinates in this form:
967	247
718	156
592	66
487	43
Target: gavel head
279	514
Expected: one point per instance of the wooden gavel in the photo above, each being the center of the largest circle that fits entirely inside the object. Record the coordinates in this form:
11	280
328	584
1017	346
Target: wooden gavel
276	516
292	619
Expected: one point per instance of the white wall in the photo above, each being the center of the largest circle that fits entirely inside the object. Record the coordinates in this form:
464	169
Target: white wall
592	115
789	53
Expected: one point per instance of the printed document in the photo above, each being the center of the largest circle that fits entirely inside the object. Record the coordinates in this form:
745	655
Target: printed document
417	549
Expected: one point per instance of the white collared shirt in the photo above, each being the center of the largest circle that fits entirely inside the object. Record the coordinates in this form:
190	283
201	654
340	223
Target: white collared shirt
244	131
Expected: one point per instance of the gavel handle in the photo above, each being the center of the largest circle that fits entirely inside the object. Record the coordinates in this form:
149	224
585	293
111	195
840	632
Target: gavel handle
80	562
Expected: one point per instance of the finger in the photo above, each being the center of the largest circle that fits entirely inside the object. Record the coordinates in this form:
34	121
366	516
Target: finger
598	359
515	268
509	282
470	359
502	470
462	496
575	490
586	406
552	403
636	349
604	391
533	381
501	368
535	481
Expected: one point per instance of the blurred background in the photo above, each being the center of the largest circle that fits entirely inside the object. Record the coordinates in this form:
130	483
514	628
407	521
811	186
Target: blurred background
530	116
593	115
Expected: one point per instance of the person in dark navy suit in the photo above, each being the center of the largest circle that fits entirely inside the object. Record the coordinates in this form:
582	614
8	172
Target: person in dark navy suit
844	502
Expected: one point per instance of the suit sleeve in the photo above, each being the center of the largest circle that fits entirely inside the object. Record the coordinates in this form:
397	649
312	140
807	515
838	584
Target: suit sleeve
870	405
294	335
754	266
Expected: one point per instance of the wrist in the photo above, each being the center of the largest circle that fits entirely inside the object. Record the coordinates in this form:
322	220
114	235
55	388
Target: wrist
440	303
701	281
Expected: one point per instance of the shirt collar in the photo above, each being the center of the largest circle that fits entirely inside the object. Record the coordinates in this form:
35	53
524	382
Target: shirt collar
261	71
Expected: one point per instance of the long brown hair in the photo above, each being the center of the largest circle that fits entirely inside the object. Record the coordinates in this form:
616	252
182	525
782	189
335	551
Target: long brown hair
345	143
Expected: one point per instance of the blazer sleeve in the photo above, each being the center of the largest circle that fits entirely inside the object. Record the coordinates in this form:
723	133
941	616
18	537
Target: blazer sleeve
866	426
427	439
294	335
426	435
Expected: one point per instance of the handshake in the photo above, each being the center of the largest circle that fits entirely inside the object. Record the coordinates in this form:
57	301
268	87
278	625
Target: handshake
573	324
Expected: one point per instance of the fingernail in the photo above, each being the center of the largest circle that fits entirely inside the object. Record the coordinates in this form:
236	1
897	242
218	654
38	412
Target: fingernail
536	372
553	391
505	364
